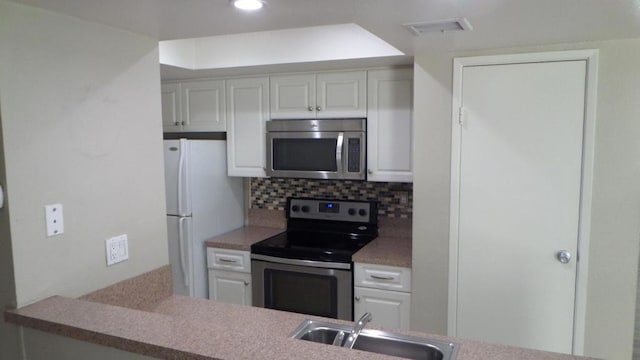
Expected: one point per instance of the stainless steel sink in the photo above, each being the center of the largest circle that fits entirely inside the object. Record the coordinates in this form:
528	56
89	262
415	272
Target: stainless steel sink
381	342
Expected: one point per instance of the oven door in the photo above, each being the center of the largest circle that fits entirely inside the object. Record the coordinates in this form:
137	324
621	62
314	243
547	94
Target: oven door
298	286
316	154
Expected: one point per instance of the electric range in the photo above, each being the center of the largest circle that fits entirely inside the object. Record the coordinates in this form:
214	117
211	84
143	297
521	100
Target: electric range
308	268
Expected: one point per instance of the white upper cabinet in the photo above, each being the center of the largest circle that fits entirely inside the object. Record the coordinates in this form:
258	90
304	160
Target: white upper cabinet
171	110
389	125
203	106
193	106
247	114
341	95
321	95
293	96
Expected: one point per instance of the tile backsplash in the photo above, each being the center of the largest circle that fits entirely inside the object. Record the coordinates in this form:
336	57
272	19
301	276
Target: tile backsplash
395	199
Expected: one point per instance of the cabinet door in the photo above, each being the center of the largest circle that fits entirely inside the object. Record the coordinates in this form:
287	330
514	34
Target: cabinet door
247	114
389	126
389	308
171	111
203	106
293	96
341	95
230	287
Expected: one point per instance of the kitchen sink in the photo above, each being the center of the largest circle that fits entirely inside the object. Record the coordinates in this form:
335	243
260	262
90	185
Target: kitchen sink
380	342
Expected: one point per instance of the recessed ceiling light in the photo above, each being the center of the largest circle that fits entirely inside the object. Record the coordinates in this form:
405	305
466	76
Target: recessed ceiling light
247	4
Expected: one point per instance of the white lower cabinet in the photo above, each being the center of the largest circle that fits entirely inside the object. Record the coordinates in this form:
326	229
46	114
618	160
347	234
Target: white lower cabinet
229	275
385	292
389	308
230	287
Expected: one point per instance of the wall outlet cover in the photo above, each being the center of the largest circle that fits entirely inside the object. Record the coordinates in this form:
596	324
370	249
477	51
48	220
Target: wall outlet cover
54	219
117	249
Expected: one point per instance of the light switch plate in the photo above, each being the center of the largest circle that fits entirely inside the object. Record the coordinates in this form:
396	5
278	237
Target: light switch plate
55	219
117	249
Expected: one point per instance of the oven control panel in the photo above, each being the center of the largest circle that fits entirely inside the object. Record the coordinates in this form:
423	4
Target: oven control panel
338	210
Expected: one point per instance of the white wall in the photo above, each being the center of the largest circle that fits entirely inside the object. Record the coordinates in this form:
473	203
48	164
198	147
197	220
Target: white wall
431	174
615	226
81	126
45	346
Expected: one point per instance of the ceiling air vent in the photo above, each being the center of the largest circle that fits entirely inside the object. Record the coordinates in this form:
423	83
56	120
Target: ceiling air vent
439	26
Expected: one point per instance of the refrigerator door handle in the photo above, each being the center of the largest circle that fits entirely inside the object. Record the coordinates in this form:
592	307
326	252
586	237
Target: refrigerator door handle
181	176
183	259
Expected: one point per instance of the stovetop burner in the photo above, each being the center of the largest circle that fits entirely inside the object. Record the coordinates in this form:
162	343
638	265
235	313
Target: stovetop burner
323	230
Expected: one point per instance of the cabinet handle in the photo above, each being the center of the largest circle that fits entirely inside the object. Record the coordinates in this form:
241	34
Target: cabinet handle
370	171
318	108
183	123
176	123
357	298
228	260
310	108
246	283
380	277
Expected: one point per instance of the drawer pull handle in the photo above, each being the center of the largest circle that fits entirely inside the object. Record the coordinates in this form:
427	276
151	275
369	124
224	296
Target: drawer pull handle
228	260
381	277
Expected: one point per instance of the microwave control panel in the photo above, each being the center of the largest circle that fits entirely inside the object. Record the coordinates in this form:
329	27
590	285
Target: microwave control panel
353	161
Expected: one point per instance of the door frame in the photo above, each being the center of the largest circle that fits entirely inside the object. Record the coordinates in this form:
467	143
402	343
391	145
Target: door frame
586	186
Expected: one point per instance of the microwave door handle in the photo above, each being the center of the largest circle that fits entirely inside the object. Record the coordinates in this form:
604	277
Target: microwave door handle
339	151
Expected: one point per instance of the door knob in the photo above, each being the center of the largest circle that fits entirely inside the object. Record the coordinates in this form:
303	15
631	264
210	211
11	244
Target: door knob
310	108
564	256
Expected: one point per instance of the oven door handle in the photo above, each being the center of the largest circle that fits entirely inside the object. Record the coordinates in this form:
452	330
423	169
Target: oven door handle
307	263
339	152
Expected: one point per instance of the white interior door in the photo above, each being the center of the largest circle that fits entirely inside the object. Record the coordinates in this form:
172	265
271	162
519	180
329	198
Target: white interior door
518	204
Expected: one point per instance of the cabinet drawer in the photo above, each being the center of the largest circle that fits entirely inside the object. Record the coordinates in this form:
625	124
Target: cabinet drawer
382	277
227	259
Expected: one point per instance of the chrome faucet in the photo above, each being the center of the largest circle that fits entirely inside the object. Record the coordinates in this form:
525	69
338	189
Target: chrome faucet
357	328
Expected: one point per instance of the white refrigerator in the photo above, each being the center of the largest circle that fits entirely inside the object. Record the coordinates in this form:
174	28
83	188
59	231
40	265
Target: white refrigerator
202	202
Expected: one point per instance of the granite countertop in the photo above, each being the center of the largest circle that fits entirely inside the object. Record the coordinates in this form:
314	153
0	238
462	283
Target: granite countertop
178	327
243	238
386	250
392	247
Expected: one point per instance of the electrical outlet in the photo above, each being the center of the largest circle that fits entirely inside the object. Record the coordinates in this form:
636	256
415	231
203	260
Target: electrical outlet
117	249
55	219
404	197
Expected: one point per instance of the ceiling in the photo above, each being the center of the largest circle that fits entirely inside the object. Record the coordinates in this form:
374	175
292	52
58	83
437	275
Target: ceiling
496	23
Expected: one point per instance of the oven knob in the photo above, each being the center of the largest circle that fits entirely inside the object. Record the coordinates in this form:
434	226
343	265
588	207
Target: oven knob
305	209
295	208
362	212
352	211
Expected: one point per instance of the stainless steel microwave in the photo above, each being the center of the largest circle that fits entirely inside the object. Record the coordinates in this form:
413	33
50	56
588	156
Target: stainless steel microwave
317	149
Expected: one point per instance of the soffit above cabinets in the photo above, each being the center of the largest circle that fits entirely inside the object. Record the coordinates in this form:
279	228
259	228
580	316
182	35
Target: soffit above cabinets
288	46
